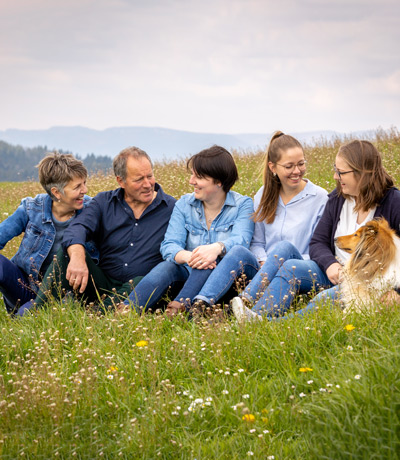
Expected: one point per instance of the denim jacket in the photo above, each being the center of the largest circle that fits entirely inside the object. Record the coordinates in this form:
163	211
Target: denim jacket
33	216
187	227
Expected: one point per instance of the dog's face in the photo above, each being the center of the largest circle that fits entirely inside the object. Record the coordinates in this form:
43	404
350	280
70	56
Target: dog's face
372	247
366	236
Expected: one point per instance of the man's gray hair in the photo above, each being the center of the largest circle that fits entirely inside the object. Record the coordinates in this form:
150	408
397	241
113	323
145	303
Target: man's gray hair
119	163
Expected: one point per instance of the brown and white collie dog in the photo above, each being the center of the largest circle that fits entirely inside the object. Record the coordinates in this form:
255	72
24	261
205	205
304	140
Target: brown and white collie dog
373	268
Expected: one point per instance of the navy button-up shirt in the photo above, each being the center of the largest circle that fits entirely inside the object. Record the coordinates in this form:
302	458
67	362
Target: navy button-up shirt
129	247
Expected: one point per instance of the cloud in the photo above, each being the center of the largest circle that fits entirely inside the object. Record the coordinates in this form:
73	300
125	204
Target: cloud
212	65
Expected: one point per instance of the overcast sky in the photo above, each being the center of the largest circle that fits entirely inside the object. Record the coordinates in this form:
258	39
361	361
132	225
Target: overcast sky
226	66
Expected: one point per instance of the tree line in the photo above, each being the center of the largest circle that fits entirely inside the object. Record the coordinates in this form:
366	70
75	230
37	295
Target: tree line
18	163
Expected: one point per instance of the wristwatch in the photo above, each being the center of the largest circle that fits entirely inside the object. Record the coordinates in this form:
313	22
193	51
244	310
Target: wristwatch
223	248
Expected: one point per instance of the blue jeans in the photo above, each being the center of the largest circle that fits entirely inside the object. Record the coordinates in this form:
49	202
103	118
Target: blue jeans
288	275
14	285
153	286
238	261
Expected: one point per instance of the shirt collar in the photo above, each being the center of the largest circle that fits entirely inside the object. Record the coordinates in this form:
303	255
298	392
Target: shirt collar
229	200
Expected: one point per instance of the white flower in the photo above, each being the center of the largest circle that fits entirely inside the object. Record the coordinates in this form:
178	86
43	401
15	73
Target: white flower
246	396
329	385
302	395
350	348
234	407
310	382
225	392
253	430
337	386
357	377
322	390
240	370
250	453
270	457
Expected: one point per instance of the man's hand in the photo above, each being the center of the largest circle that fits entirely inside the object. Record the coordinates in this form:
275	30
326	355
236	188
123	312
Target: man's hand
334	273
77	270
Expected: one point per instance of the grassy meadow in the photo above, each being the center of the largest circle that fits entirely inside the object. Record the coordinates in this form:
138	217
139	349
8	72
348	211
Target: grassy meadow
75	384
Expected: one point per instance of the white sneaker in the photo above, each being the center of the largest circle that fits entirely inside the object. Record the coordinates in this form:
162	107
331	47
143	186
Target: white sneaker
242	313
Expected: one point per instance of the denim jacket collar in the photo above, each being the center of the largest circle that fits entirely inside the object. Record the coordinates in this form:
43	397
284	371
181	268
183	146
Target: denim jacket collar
229	201
46	209
47	214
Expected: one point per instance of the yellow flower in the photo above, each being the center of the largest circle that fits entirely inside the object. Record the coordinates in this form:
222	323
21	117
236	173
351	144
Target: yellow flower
265	419
142	343
305	369
248	418
349	327
112	369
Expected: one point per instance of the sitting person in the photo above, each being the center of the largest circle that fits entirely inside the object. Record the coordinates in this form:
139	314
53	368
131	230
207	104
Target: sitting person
364	191
288	208
128	226
205	225
44	220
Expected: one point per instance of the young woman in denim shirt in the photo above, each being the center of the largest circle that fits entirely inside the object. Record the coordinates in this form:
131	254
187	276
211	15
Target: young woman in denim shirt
288	208
43	220
205	225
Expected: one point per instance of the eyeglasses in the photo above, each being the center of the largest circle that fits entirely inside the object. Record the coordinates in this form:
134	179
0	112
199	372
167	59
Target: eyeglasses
290	168
341	173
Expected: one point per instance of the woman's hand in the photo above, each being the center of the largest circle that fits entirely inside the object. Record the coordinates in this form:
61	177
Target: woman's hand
204	257
334	273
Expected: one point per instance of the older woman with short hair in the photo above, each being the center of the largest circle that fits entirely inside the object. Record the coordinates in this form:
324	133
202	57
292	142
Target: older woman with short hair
43	220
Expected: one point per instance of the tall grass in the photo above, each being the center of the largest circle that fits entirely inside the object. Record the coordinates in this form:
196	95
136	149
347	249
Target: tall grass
75	384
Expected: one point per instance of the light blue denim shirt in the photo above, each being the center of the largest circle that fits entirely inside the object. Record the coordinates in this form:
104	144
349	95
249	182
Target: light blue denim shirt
34	217
294	222
187	227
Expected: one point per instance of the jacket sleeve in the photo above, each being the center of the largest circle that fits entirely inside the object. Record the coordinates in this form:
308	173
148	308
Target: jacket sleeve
320	244
243	228
14	225
176	234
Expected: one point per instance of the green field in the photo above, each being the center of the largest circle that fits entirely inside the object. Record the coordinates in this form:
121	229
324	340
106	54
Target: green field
75	384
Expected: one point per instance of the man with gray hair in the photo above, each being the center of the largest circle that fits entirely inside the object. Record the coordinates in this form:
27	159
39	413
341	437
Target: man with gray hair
127	225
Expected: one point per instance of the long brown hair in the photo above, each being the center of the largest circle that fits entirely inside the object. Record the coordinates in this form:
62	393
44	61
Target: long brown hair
373	180
279	143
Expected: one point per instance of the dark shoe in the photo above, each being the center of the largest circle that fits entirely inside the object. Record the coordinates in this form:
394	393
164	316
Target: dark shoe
174	308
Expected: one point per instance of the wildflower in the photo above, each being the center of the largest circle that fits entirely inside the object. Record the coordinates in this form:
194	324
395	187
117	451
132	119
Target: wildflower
248	418
349	327
302	395
253	430
240	370
246	396
250	453
142	343
305	369
310	382
112	369
110	376
349	347
225	392
270	457
357	377
322	390
234	407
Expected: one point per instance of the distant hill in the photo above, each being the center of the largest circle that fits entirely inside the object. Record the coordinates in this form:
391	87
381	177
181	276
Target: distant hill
19	163
159	143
